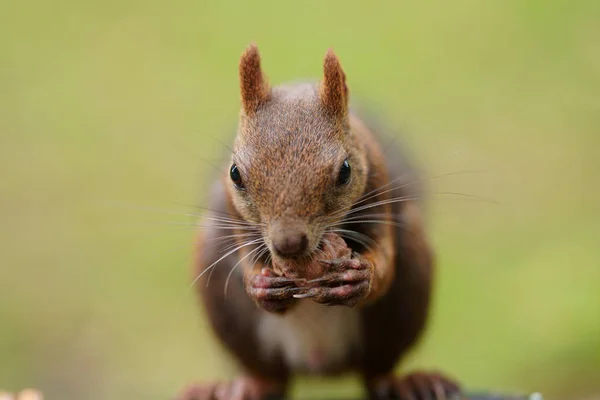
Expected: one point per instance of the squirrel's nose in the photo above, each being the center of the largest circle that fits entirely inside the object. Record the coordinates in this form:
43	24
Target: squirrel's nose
290	243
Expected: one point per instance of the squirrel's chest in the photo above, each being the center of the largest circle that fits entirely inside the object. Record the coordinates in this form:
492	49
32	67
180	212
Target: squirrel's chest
312	338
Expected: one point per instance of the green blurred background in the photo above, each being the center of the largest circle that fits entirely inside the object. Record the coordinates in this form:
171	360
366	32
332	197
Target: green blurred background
111	109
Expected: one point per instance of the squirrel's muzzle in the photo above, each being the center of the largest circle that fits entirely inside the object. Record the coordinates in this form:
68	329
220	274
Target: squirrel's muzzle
289	239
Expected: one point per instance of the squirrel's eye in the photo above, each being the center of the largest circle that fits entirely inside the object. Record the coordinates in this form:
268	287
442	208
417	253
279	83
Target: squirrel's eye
344	174
236	178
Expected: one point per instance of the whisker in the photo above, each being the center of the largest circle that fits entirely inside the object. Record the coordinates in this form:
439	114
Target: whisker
316	255
340	213
372	193
353	233
381	203
182	147
231	220
197	225
166	211
356	236
257	257
234	249
471	196
220	142
375	192
371	221
205	226
411	197
359	241
269	258
211	266
236	264
326	242
233	236
235	243
390	144
371	215
227	242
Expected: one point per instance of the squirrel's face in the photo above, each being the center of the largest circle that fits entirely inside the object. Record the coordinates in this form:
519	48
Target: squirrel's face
296	169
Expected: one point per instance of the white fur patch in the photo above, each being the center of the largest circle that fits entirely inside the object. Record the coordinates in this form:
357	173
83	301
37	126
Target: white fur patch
311	337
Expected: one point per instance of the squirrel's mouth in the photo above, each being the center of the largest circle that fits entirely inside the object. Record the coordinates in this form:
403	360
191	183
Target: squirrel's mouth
329	250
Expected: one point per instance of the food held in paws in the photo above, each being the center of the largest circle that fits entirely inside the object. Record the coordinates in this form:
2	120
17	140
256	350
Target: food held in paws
333	247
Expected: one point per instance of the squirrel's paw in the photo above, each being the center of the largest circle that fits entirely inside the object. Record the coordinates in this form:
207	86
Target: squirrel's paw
271	292
416	386
347	281
243	388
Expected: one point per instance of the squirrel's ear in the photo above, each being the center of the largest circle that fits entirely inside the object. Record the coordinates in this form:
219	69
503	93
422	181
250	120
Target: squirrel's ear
253	85
333	90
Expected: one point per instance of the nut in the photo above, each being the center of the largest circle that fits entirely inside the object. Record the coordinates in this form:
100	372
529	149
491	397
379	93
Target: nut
334	247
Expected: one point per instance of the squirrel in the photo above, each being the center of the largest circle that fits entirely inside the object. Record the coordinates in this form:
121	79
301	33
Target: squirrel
313	257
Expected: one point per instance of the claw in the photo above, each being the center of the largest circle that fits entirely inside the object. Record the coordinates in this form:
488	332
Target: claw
269	282
310	293
345	294
274	293
340	278
317	280
351	263
304	295
298	281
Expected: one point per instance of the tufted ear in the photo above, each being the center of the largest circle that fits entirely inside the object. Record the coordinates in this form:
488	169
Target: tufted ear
333	90
253	85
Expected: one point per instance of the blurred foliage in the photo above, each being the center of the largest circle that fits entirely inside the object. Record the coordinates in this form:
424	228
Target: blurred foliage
111	111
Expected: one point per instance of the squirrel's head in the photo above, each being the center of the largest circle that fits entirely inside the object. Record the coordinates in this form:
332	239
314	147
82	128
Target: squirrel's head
296	167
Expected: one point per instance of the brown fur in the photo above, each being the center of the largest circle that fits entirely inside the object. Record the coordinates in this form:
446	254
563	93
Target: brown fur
290	144
253	84
333	90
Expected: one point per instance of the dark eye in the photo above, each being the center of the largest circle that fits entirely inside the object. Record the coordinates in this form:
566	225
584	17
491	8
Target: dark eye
236	178
344	174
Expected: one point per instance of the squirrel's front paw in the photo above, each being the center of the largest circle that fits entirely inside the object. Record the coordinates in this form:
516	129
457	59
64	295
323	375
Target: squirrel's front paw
271	292
346	282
